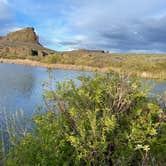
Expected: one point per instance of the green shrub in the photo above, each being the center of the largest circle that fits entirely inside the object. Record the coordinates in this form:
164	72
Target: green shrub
35	58
51	59
106	120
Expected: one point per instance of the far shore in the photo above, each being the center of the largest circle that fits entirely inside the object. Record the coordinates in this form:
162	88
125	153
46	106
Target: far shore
52	66
77	67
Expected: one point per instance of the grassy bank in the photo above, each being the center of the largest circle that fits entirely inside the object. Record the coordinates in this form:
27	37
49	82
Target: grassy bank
143	65
52	66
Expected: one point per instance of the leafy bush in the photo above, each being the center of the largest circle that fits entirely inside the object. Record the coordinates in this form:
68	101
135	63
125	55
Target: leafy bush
106	120
51	59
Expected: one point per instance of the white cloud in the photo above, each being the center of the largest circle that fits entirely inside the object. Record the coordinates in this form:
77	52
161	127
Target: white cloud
4	1
80	38
118	24
4	10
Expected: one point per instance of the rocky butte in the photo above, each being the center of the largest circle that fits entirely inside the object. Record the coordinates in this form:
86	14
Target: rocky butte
25	42
22	43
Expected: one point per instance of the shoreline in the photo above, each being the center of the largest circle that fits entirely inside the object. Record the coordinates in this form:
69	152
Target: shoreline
34	63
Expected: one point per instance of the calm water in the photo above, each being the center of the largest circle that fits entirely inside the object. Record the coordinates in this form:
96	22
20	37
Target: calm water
21	86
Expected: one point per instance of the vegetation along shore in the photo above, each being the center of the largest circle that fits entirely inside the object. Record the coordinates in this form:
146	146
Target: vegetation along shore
145	66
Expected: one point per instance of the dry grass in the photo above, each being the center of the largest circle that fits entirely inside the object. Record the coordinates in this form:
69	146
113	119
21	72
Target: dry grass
144	65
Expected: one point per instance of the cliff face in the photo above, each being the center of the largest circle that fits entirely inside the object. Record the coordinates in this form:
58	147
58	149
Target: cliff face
22	43
24	35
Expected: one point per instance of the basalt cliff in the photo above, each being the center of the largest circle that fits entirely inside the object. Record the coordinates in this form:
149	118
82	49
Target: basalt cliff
22	43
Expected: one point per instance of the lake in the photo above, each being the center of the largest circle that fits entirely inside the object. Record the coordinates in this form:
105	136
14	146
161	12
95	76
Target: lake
21	86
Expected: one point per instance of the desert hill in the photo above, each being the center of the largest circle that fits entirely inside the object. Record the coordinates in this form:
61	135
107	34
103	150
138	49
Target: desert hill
23	42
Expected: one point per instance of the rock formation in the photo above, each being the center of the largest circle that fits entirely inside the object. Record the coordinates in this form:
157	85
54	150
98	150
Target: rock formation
25	42
22	43
24	35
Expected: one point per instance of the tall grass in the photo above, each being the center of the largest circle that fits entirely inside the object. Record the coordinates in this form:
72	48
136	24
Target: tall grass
13	127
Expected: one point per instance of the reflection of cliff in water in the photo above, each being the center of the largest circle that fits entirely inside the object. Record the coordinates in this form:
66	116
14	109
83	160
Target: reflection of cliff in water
16	79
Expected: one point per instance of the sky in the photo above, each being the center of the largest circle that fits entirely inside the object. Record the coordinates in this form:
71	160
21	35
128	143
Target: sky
110	25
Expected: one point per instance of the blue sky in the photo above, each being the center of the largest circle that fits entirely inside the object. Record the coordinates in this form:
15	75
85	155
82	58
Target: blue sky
113	25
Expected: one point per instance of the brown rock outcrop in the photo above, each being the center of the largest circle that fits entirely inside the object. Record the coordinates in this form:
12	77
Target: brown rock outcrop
23	43
24	35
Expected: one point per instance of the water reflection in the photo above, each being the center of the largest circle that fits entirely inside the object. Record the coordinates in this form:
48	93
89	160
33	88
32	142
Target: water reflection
21	86
14	78
16	86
